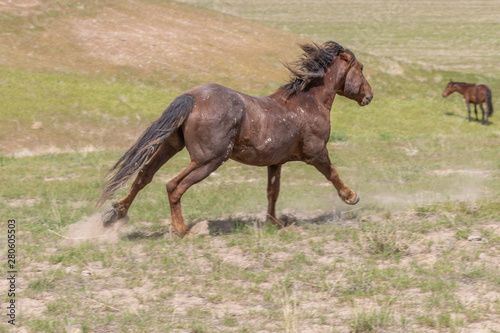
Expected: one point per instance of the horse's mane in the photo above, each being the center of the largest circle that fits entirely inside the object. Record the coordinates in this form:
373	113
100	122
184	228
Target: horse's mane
453	82
311	65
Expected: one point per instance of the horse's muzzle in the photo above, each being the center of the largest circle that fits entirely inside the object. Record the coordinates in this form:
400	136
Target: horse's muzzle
366	100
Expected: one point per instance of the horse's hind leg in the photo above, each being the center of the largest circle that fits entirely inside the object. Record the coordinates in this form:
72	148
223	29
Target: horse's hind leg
475	111
194	173
162	155
485	115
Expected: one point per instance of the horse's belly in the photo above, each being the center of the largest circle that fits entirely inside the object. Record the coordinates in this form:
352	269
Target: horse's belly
268	153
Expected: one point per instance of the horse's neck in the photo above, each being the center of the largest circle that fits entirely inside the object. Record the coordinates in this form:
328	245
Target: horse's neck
325	89
321	91
316	94
462	88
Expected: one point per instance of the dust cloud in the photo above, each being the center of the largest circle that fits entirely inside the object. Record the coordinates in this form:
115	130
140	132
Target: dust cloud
91	229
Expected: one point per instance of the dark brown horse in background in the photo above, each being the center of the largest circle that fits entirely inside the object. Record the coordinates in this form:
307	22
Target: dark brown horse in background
473	93
215	123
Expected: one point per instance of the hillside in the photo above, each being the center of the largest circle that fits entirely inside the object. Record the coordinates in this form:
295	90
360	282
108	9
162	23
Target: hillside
138	54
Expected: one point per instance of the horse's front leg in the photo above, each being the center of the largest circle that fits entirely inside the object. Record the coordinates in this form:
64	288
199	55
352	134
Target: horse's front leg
323	164
273	190
475	111
468	109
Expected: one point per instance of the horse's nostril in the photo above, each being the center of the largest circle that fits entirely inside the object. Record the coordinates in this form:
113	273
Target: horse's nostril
366	100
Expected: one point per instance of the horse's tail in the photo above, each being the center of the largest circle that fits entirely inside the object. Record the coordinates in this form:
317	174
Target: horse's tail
488	102
144	148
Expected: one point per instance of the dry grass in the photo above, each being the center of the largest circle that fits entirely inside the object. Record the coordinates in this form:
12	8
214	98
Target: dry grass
318	278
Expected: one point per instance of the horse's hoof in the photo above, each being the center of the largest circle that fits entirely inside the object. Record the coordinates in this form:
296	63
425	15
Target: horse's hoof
356	200
352	202
109	216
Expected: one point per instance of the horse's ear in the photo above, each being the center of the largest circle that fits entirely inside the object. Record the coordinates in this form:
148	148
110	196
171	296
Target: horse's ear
345	56
451	80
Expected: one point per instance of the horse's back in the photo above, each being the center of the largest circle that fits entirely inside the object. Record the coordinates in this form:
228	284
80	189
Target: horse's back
210	93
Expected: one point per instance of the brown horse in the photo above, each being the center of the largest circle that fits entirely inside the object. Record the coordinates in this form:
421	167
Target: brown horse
216	123
473	93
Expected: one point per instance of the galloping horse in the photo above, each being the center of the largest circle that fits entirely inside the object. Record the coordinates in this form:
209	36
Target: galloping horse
216	123
475	94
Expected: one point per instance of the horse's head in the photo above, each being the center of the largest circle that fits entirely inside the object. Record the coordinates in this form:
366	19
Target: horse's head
355	85
449	89
329	66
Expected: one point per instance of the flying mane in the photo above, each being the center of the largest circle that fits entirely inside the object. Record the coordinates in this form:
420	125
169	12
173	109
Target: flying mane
311	65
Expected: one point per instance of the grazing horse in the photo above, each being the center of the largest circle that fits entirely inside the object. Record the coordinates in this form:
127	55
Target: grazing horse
473	93
216	123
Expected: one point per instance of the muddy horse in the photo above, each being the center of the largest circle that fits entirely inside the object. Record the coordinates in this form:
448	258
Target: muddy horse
475	94
216	123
